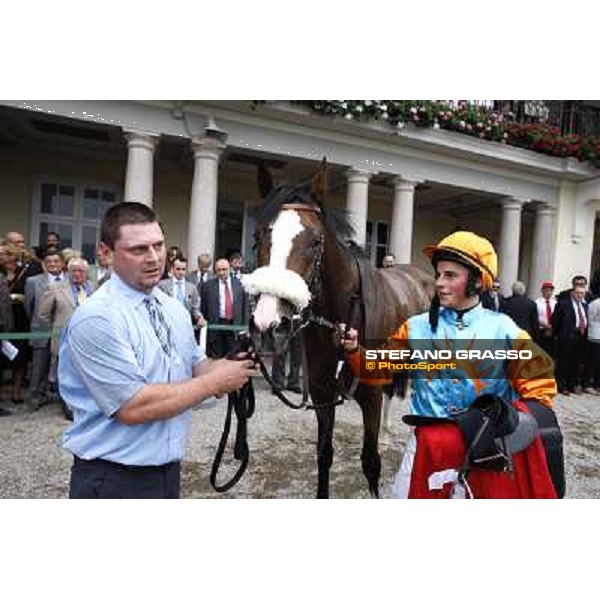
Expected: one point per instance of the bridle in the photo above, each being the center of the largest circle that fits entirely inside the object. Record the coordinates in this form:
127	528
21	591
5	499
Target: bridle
242	402
306	317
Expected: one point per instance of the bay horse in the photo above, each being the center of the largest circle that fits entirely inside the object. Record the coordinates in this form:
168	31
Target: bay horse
307	266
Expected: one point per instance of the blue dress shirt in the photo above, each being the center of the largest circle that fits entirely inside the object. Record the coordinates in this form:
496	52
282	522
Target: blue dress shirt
109	352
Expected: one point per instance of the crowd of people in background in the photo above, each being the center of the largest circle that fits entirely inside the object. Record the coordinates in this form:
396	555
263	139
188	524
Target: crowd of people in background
41	288
565	325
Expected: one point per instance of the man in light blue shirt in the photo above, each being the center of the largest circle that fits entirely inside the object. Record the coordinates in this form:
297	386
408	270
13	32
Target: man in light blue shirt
130	370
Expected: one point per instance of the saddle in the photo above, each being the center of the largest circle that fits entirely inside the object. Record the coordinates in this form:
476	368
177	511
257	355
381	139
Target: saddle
493	431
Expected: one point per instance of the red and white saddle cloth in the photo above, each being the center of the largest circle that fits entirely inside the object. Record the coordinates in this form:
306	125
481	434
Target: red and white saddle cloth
435	453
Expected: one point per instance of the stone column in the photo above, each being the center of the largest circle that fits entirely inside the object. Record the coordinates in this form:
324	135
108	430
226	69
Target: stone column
203	207
543	248
510	238
401	235
140	165
357	203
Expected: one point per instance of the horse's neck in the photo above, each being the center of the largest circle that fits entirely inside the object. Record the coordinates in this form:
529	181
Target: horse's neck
340	282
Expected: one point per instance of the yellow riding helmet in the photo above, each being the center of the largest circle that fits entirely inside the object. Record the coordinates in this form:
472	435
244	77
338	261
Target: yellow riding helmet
473	249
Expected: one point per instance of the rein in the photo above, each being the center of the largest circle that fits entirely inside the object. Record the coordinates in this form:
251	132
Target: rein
243	401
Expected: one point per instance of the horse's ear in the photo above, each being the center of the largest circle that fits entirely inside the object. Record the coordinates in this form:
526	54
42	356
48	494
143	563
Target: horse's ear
264	180
319	182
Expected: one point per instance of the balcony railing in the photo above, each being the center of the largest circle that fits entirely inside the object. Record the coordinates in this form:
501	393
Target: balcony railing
571	117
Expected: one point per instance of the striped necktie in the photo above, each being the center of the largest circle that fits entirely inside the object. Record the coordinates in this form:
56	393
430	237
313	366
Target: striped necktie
157	319
81	295
581	318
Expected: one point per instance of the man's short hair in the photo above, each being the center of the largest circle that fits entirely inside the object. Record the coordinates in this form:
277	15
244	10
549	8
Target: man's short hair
180	258
53	252
235	256
77	262
579	277
124	213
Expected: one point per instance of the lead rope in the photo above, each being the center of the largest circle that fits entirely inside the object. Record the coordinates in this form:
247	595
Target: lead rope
243	403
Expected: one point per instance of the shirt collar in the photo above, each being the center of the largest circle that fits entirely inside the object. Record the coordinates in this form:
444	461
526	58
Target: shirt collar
468	316
135	297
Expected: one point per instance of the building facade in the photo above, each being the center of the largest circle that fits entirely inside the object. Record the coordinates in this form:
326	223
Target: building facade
63	163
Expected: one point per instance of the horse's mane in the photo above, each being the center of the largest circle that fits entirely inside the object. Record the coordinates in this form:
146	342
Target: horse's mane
336	221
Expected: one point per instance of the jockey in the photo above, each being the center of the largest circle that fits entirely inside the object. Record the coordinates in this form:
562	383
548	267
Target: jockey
465	265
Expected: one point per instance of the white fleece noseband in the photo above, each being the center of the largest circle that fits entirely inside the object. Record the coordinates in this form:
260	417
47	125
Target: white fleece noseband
276	281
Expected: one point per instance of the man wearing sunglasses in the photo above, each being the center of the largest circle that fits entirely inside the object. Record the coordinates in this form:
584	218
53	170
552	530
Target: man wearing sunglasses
492	299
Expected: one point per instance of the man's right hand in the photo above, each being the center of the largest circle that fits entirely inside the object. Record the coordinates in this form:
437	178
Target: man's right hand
231	375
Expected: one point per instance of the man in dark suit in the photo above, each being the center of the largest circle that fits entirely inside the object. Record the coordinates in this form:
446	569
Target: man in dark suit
492	299
223	302
522	310
569	324
236	261
577	281
204	272
6	321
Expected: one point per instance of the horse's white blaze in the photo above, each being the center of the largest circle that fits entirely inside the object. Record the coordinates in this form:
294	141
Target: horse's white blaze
285	229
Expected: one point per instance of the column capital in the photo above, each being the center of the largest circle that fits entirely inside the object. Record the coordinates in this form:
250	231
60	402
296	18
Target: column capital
403	184
207	147
138	138
358	176
545	210
510	203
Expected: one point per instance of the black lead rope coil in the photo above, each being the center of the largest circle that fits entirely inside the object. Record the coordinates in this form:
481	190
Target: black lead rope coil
243	403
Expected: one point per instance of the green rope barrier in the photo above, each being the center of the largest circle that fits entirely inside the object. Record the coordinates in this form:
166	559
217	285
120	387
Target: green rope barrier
46	335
